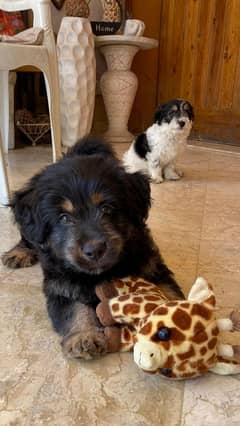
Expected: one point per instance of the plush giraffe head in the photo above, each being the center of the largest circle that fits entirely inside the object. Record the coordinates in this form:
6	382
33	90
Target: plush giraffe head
177	339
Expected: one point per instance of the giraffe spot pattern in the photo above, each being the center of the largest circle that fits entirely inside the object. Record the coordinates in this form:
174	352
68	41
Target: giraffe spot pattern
177	336
165	344
123	298
198	328
187	375
200	337
131	308
199	365
137	299
172	304
126	335
185	305
143	284
215	331
146	329
161	311
182	366
186	355
211	300
212	343
201	311
115	307
152	298
203	350
212	359
160	324
149	307
169	363
182	319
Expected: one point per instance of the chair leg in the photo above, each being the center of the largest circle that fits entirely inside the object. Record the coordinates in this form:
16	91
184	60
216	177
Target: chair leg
54	113
11	133
4	187
4	108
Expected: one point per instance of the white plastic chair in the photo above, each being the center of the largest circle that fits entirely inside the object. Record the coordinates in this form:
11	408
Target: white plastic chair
4	188
43	57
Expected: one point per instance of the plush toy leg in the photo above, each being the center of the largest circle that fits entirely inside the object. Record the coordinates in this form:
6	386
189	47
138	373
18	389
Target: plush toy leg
225	324
104	314
230	324
119	339
113	335
229	352
226	368
228	360
225	351
106	290
235	318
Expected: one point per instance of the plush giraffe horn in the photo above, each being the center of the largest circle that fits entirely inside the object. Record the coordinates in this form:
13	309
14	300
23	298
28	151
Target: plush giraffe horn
200	291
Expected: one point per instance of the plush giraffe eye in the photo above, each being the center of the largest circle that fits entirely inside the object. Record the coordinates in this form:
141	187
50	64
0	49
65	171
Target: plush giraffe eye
164	333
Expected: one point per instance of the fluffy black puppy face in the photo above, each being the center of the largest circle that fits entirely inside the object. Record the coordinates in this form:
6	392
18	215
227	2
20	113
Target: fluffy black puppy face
83	210
177	111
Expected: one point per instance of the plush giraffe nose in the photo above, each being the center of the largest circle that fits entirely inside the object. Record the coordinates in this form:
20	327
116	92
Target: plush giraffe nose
148	356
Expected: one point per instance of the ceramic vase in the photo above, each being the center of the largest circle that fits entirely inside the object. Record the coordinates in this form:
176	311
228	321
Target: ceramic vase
119	86
77	78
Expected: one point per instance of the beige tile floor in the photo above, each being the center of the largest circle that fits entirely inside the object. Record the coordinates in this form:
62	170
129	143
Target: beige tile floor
196	223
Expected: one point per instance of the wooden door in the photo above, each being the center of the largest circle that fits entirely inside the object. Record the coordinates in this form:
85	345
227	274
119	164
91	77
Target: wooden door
145	65
199	59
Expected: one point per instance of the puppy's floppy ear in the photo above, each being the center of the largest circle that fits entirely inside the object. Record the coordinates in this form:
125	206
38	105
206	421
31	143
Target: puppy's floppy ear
25	205
159	114
138	196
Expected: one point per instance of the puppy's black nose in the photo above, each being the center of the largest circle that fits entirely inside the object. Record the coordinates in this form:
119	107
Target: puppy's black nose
94	249
181	124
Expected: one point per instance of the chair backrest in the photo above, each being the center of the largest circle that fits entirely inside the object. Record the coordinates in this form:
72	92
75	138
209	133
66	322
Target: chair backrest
41	10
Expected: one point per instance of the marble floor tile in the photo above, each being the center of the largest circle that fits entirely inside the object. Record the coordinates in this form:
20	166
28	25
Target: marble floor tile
196	224
219	262
212	400
39	386
180	251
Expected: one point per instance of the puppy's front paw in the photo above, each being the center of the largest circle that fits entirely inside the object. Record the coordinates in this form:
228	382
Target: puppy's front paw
19	257
158	179
85	345
179	173
173	175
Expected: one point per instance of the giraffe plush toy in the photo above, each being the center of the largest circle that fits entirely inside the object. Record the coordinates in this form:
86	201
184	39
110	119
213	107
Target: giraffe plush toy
177	339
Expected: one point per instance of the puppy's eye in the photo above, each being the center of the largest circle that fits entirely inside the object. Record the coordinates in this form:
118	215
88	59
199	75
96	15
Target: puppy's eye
105	209
64	218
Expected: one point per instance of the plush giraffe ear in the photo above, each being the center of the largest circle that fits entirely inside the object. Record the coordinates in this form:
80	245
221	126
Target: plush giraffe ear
200	291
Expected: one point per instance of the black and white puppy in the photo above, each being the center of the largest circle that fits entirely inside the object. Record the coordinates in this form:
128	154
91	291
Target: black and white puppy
84	219
155	151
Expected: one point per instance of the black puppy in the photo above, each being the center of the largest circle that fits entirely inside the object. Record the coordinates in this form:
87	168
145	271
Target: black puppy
84	219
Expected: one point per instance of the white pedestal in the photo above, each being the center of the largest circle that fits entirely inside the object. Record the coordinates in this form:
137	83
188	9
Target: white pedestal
119	84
